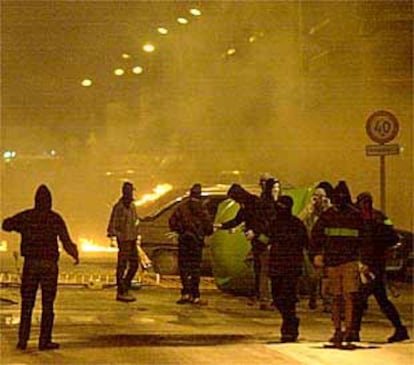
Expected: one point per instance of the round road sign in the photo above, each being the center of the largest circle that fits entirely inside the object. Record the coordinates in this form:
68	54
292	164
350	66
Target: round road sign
382	126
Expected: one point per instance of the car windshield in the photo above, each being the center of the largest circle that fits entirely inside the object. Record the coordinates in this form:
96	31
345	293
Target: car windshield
154	208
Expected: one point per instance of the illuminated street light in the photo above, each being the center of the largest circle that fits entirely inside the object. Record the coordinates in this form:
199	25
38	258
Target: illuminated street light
86	82
195	12
162	30
252	38
119	72
231	51
137	70
126	56
9	154
148	47
182	20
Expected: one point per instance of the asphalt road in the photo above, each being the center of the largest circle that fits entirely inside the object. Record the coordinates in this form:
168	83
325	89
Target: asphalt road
93	328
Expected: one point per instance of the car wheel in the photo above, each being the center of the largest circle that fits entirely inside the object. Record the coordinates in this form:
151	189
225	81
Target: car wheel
165	262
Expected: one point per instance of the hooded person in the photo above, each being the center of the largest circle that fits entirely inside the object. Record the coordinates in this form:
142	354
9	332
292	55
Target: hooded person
252	213
127	193
267	182
271	188
288	237
336	244
123	226
195	191
192	221
341	196
315	278
379	237
249	209
327	188
40	229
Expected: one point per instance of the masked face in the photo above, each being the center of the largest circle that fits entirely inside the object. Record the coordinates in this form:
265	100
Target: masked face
276	191
128	192
364	204
317	199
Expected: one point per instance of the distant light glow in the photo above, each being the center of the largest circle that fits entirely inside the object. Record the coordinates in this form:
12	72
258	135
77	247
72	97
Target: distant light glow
231	51
182	20
9	154
148	47
195	12
137	70
86	82
157	192
162	30
90	246
3	246
252	38
52	152
126	56
119	72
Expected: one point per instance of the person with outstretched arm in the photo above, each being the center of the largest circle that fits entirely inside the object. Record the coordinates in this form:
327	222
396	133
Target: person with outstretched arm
40	228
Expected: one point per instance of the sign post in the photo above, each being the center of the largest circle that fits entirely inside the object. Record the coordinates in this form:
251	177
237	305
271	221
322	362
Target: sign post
382	127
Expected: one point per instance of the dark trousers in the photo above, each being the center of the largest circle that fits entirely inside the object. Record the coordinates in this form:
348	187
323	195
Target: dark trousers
127	258
284	298
45	274
261	274
377	288
190	252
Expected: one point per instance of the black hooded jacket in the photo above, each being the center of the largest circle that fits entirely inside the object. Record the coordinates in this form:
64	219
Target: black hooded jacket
40	229
288	238
337	234
250	211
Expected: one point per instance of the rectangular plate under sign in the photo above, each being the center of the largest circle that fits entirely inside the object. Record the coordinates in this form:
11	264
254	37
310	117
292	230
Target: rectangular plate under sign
382	149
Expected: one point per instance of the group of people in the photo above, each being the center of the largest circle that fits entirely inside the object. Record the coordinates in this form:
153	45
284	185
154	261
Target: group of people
349	243
335	239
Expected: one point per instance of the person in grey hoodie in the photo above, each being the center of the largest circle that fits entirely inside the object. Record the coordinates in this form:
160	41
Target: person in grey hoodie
123	226
40	228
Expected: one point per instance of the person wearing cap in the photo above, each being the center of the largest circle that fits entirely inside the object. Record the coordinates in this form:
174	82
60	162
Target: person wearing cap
192	222
40	229
336	244
315	278
287	238
380	237
123	226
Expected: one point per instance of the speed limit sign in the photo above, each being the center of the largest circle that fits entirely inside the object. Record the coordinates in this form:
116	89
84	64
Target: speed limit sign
382	126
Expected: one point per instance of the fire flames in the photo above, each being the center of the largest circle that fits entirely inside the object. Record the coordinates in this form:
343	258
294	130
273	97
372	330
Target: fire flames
87	245
157	192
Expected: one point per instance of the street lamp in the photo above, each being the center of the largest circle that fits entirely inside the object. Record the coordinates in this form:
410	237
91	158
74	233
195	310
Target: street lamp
148	47
86	82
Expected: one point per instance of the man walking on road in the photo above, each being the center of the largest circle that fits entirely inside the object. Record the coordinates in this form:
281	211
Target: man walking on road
40	229
336	244
123	226
380	236
288	237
